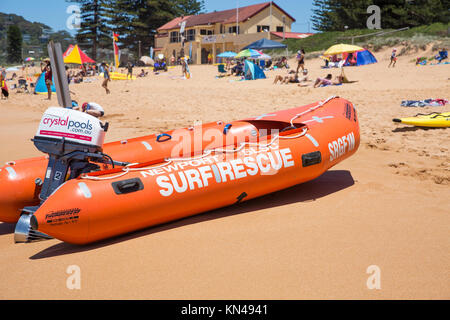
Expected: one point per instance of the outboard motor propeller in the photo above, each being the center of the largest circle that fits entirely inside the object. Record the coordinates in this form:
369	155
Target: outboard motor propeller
73	140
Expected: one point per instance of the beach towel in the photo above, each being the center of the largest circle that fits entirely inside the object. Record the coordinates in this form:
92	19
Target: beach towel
424	103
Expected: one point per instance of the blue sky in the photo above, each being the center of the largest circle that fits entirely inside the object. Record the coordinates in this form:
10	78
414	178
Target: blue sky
53	12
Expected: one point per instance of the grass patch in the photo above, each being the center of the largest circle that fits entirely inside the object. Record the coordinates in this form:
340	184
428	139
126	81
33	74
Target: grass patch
416	38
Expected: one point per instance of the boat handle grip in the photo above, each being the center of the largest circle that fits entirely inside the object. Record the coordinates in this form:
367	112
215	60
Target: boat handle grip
158	138
127	186
227	128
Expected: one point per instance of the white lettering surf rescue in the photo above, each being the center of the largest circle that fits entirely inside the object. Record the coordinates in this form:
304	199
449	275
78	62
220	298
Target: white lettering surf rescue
235	169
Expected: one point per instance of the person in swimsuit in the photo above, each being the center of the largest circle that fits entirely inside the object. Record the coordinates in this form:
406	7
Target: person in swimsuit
323	82
47	68
393	58
300	59
104	69
130	70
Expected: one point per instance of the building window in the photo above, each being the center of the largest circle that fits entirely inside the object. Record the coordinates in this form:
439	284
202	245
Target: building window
205	32
191	35
174	37
280	29
233	30
262	28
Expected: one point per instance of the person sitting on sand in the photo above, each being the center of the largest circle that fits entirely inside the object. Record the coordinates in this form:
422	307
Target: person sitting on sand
238	69
142	74
323	82
442	55
92	108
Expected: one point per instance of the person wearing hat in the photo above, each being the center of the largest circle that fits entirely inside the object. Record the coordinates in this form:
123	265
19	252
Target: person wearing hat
393	58
92	108
104	69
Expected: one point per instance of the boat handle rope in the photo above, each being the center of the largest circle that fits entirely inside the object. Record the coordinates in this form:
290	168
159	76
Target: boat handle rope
206	153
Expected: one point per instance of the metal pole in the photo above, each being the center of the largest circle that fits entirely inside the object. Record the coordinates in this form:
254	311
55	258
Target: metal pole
270	27
139	49
237	16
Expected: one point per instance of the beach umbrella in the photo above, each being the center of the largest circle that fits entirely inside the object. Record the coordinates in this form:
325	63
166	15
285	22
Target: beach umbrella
227	54
264	57
29	59
76	55
341	48
249	53
147	60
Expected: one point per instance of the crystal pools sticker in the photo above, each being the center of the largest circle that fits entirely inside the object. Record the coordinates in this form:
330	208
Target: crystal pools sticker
341	146
173	178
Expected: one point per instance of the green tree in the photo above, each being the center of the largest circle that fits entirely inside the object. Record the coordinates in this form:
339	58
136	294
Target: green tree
334	15
14	46
137	20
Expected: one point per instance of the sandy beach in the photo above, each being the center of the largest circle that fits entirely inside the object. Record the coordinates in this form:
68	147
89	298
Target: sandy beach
385	206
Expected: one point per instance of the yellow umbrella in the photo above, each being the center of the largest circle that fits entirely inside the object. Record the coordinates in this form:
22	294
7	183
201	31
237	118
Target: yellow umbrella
341	48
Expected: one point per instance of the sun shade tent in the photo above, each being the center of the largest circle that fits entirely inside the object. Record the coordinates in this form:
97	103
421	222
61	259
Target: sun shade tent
362	58
342	48
41	87
267	44
253	72
76	56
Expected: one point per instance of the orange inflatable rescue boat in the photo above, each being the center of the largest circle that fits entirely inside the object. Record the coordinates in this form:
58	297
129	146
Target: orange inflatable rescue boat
21	180
202	168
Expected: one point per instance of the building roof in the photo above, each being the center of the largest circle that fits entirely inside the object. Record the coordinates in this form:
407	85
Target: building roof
292	35
225	17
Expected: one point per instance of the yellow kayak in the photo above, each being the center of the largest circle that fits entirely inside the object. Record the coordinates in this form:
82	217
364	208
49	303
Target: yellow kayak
119	76
435	119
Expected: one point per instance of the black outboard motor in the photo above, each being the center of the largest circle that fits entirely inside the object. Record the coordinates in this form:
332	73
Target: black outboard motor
73	140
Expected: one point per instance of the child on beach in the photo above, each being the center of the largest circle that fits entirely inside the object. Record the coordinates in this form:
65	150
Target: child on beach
393	58
130	70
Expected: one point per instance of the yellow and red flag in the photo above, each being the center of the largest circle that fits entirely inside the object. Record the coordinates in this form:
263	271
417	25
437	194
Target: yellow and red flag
116	49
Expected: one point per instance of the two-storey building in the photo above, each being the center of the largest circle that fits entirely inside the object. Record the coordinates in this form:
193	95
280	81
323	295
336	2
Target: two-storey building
220	31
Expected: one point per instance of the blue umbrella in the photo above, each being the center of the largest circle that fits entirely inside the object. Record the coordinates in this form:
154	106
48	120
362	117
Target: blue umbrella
227	54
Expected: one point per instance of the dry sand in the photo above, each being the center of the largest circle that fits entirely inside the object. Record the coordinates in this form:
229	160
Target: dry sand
386	206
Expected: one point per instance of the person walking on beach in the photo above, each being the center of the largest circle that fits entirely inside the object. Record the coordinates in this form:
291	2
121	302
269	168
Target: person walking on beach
300	59
47	68
130	70
4	87
106	77
393	58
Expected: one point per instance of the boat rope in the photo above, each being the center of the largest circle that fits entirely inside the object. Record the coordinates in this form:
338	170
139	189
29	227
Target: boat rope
126	169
